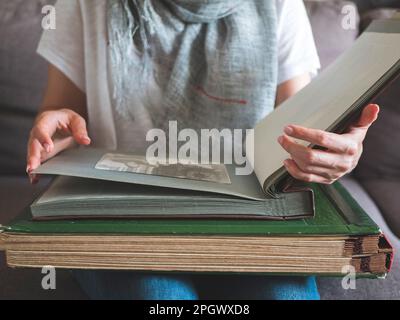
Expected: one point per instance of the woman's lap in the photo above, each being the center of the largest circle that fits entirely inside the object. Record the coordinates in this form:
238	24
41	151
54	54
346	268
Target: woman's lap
146	286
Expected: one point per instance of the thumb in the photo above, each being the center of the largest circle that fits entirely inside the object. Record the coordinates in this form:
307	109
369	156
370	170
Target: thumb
368	116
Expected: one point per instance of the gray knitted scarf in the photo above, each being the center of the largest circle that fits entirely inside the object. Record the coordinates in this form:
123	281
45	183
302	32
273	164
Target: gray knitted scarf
203	63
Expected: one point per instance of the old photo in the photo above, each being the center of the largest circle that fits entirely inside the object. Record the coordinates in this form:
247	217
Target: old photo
138	164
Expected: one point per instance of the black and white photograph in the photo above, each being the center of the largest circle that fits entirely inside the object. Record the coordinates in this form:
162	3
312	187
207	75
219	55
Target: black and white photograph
182	169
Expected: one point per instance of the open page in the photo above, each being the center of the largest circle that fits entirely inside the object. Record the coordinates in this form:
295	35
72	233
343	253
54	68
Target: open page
333	93
98	164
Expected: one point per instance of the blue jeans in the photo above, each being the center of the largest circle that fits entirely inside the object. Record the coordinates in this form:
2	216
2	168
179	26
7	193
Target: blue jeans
102	285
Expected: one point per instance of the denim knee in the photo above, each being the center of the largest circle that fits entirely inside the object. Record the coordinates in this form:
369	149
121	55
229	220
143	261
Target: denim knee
113	285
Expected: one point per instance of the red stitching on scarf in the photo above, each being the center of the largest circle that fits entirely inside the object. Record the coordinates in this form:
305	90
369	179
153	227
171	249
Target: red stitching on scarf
223	100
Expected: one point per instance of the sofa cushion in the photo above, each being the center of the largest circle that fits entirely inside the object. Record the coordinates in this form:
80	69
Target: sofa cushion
22	78
381	157
365	5
379	167
331	38
386	196
14	132
376	14
22	71
16	193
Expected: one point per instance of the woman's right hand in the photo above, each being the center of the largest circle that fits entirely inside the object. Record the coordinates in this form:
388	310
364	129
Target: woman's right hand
53	132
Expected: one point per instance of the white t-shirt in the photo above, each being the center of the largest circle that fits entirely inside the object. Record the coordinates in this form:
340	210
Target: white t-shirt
78	47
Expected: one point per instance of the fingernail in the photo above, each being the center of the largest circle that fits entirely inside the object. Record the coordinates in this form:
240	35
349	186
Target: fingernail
280	139
86	139
33	179
288	130
47	147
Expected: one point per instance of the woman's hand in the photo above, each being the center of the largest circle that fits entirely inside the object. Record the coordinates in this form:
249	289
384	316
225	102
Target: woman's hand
340	155
53	132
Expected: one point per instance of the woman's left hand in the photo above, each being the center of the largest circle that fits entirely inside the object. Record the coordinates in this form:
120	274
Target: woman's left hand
340	155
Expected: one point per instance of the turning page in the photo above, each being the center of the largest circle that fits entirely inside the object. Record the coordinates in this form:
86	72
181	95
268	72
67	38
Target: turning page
114	166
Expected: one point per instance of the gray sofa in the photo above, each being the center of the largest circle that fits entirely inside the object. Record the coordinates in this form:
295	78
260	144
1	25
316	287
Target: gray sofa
23	77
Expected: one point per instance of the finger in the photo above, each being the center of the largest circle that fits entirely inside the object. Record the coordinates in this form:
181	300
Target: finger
335	142
43	131
33	159
59	145
37	155
63	127
368	116
298	174
46	126
34	155
314	157
79	130
328	173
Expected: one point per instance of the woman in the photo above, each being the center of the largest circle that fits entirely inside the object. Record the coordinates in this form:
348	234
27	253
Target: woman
126	66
